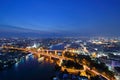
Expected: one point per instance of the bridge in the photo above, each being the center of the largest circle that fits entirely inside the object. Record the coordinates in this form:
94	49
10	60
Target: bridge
44	52
54	54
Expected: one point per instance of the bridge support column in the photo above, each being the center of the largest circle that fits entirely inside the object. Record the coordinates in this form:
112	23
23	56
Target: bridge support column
47	52
50	58
55	52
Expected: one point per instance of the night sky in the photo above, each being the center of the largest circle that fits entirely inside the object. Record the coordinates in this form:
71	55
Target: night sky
85	16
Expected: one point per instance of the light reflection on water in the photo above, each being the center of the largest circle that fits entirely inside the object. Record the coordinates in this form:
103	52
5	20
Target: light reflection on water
28	69
16	65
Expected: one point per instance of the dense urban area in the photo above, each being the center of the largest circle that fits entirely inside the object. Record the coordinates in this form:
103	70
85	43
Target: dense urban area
95	58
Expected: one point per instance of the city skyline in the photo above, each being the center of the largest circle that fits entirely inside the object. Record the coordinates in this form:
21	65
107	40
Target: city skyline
59	40
82	17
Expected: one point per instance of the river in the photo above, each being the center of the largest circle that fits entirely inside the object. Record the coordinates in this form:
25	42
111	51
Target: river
29	68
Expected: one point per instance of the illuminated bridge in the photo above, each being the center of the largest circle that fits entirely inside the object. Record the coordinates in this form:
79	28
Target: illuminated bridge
58	54
54	54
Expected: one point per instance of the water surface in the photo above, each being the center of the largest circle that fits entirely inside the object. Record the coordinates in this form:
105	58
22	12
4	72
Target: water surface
29	69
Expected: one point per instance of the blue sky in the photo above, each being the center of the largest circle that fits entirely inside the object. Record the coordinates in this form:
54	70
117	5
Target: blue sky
62	15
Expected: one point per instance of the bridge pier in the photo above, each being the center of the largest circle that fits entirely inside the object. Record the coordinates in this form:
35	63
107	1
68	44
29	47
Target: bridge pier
55	52
47	52
50	58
